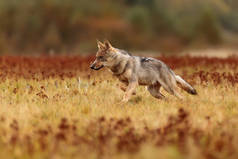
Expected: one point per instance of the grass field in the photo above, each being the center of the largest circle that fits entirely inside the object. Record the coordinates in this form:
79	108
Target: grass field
56	107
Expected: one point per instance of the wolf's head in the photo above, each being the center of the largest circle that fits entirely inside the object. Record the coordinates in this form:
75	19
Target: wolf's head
104	56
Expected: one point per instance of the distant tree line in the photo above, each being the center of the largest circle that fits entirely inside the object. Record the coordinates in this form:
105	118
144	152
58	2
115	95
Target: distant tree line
74	26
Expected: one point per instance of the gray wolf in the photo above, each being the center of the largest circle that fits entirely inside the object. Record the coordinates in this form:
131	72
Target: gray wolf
135	70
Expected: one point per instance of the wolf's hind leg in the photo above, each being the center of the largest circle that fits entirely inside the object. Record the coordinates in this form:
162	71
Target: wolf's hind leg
155	91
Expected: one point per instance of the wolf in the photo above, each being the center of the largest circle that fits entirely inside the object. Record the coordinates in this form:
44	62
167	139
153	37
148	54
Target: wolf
135	70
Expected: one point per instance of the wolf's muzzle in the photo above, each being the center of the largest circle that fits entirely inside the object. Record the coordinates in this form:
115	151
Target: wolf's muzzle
96	68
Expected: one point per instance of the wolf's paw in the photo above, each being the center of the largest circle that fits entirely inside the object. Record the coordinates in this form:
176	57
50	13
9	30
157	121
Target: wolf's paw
123	88
124	100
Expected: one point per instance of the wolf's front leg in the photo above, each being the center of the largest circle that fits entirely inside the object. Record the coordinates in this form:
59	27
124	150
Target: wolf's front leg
124	86
129	91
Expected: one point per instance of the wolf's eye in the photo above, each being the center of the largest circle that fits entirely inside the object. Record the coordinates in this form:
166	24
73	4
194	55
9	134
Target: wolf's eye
101	58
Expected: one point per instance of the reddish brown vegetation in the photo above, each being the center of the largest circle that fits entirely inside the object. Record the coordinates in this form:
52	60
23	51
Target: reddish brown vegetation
120	135
42	67
68	67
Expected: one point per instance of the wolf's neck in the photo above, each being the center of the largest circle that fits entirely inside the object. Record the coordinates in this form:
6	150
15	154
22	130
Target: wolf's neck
121	62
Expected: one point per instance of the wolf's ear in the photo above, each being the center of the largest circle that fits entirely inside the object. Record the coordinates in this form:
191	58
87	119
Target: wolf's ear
107	44
101	46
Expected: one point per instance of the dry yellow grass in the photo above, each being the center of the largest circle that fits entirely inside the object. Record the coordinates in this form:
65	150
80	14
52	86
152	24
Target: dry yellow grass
29	106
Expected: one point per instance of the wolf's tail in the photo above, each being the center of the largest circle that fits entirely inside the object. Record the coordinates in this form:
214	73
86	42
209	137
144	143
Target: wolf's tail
184	85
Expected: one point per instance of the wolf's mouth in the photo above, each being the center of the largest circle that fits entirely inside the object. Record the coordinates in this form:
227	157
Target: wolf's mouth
97	68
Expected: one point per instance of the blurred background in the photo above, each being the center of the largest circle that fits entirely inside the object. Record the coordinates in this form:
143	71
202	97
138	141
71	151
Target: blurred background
72	26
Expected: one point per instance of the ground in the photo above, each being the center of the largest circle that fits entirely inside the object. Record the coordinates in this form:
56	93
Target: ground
56	107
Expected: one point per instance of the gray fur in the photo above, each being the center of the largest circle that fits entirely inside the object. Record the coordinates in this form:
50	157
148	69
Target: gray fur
135	70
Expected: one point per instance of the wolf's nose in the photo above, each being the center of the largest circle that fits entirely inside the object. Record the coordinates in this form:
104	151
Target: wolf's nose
91	67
